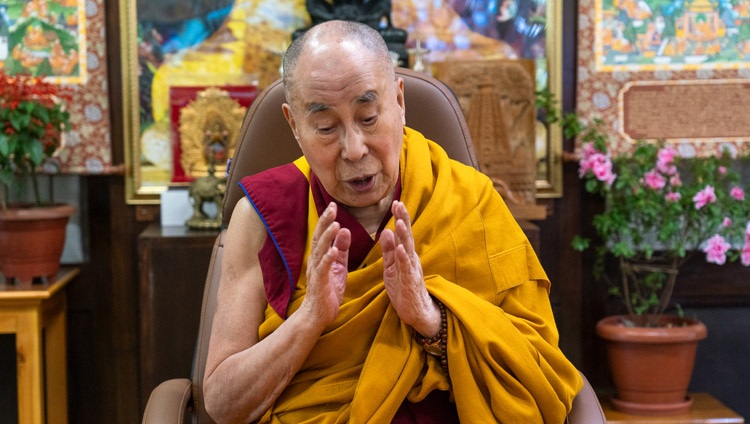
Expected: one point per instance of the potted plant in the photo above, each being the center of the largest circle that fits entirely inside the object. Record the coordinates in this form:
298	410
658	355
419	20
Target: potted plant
660	208
32	121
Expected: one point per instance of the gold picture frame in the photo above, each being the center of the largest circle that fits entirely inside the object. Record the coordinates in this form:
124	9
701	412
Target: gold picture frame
142	188
162	45
549	182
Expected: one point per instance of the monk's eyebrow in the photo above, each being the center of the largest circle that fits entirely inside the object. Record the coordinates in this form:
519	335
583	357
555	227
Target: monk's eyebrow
368	97
316	107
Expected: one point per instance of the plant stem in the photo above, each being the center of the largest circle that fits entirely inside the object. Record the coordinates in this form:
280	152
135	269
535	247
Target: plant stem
35	184
3	196
626	272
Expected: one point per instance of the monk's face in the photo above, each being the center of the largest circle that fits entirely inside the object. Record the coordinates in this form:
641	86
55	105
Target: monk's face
347	113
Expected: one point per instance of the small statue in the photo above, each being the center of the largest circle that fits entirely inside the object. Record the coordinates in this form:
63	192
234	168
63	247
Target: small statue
364	11
216	140
208	189
418	53
374	13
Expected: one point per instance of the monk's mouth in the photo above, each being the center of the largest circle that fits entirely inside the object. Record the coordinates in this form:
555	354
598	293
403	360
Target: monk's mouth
362	184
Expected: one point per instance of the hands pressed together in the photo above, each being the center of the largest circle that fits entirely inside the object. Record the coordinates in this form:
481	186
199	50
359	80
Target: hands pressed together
402	272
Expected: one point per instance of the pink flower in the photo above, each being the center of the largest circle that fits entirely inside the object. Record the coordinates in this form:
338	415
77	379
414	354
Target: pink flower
609	179
654	180
599	164
727	222
664	160
722	170
716	250
704	197
589	149
586	160
675	180
673	196
738	193
745	257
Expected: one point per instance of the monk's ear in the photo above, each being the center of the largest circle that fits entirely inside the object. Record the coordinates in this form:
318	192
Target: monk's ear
400	98
290	119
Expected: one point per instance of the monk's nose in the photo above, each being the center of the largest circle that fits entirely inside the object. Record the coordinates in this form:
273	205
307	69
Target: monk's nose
353	146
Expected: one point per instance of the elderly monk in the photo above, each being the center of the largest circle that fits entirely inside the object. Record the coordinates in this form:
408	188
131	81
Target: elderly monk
421	300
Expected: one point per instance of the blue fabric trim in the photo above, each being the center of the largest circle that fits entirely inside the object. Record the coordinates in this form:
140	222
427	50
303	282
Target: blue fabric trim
273	239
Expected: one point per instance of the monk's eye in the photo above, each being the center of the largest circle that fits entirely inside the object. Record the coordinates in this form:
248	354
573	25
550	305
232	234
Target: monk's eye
370	120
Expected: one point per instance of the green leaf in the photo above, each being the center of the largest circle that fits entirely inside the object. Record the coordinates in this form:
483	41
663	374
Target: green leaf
4	145
580	243
35	150
42	113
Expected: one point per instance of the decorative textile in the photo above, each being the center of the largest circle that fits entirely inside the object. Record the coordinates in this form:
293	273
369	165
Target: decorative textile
88	144
505	364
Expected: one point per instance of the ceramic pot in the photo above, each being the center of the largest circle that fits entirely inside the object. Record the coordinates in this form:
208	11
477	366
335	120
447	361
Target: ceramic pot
651	366
32	240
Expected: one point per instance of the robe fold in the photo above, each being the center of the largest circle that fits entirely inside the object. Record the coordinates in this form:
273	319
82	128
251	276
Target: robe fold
504	361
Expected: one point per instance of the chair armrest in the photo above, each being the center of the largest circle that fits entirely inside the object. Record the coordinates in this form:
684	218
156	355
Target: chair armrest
586	407
168	402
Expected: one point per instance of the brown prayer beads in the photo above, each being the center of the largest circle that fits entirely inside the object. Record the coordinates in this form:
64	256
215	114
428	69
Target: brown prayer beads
437	345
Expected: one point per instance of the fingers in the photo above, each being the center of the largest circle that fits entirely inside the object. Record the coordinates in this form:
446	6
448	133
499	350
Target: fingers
343	240
325	232
330	242
403	230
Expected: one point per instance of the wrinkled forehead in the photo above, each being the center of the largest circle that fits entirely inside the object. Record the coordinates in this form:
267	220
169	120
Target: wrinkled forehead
352	78
332	52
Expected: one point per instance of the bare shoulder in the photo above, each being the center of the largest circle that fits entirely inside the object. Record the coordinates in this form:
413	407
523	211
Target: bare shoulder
245	227
241	299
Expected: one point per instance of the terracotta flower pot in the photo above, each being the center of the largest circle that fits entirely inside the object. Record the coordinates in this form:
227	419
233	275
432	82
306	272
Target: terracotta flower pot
32	240
651	366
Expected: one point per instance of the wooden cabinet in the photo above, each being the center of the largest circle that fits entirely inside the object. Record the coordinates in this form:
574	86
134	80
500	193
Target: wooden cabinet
173	263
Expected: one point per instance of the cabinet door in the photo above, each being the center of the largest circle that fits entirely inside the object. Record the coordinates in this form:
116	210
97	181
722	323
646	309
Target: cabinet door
173	264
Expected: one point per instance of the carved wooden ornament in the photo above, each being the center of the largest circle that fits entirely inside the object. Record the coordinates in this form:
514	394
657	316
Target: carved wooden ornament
498	100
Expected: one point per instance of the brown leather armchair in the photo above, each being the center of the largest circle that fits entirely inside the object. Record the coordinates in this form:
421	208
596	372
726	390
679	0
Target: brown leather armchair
266	141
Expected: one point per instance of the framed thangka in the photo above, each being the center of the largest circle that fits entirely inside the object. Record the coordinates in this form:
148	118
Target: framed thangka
667	70
174	49
64	41
239	43
46	38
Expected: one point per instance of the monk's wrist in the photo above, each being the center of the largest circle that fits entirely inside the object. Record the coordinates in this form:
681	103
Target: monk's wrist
430	326
437	345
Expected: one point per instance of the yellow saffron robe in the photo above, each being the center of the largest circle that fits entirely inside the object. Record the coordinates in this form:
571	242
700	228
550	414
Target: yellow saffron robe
503	355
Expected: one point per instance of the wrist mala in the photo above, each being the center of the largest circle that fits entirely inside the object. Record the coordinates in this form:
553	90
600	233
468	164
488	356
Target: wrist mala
437	345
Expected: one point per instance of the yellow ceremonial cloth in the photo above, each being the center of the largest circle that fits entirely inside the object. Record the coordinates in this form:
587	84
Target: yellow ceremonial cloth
505	364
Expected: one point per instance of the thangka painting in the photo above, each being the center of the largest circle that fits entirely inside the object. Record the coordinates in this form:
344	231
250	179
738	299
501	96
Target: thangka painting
676	71
46	37
641	35
64	41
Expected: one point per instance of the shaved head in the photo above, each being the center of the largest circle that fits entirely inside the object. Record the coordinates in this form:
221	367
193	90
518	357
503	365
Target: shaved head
345	35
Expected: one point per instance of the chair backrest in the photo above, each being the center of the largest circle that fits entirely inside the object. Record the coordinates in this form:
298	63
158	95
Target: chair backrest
265	141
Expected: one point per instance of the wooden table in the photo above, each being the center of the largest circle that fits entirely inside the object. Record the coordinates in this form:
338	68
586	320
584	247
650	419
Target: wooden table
705	410
36	315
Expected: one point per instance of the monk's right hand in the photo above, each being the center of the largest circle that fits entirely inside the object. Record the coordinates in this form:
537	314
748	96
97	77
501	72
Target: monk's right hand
327	268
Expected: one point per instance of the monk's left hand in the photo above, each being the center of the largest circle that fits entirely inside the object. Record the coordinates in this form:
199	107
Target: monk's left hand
402	273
